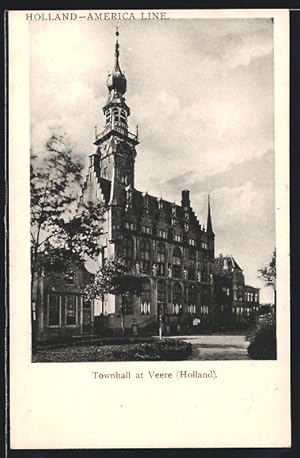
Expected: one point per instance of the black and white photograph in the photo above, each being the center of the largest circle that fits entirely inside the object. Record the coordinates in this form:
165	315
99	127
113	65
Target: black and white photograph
156	248
152	190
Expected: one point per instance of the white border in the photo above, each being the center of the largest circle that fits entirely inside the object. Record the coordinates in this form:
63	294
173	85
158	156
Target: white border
61	405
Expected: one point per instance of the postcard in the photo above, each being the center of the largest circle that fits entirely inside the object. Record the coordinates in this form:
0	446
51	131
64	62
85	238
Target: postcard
149	228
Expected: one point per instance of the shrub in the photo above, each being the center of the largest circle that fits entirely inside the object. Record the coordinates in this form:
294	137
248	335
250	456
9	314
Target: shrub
174	350
263	339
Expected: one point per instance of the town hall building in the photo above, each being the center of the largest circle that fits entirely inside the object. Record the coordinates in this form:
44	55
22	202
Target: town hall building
183	285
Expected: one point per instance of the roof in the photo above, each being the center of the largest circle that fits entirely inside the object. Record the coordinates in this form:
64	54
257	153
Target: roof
225	265
156	205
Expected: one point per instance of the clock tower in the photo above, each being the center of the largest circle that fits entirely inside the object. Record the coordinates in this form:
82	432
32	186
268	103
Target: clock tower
115	144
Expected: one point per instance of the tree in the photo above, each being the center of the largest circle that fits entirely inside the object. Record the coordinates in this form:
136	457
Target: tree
62	228
268	274
116	277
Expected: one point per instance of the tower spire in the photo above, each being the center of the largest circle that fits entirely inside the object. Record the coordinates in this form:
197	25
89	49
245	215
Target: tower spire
117	46
209	228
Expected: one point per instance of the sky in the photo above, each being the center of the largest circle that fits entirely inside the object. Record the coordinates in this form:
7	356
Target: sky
202	93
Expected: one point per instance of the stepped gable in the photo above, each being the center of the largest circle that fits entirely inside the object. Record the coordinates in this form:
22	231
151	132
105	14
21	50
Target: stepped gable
142	200
225	265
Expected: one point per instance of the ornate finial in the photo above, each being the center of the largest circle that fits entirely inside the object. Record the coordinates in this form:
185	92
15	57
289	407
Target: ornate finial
117	53
137	131
209	223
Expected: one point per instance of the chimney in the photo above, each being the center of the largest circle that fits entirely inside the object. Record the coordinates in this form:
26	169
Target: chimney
185	198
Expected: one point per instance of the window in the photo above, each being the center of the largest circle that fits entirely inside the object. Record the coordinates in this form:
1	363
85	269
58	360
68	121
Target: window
173	221
145	255
160	205
129	226
146	229
192	242
70	310
124	179
192	265
162	234
54	310
192	309
204	245
192	300
146	298
177	297
128	249
161	259
204	271
123	116
108	117
161	292
228	291
177	238
204	309
69	277
177	262
127	304
186	227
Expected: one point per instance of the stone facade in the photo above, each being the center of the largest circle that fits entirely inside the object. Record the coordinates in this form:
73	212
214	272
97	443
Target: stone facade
236	304
160	239
63	310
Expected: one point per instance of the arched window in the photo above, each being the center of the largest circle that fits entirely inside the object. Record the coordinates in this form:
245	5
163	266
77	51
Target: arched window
177	262
146	298
192	298
192	265
177	298
145	249
161	259
128	249
161	292
204	270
